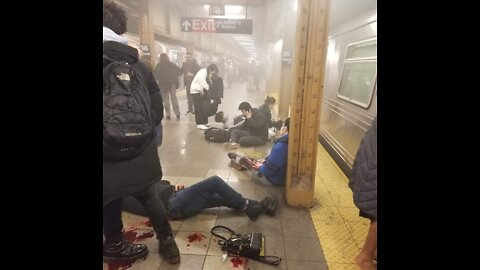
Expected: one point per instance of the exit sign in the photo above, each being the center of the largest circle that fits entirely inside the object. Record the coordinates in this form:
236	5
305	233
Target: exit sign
216	25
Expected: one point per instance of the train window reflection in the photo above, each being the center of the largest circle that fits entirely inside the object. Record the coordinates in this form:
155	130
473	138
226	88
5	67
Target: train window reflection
359	73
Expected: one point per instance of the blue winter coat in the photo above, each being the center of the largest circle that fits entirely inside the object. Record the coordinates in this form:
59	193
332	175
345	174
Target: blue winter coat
275	165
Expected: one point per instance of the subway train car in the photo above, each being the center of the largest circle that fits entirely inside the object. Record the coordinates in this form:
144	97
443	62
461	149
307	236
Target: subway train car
349	99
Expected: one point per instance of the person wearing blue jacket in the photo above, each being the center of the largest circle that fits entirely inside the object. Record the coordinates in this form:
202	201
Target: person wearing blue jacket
272	170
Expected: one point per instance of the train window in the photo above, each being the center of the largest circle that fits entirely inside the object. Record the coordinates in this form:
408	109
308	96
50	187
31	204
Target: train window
365	49
359	73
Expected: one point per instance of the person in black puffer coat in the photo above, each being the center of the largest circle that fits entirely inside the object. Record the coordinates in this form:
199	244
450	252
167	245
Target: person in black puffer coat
363	182
134	177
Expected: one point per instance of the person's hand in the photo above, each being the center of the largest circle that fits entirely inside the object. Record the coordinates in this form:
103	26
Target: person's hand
248	114
257	165
179	187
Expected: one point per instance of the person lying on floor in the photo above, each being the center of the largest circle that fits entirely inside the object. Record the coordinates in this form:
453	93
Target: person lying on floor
221	117
184	202
273	169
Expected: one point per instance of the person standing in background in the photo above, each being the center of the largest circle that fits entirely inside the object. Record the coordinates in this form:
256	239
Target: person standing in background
189	69
167	74
200	83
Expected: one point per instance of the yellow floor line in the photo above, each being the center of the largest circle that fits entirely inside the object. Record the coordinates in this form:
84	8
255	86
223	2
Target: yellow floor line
340	230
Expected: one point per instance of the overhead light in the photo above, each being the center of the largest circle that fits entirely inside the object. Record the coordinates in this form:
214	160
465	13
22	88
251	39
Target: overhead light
251	37
230	17
245	39
233	8
278	45
206	6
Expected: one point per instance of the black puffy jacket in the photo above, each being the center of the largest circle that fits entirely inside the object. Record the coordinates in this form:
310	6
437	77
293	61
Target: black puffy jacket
257	125
122	178
268	114
215	90
363	178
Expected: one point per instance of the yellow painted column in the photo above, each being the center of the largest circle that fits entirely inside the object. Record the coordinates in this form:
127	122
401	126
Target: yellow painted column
145	30
309	65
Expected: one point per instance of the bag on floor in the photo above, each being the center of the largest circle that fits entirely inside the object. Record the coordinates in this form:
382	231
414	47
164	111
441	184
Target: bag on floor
217	135
251	246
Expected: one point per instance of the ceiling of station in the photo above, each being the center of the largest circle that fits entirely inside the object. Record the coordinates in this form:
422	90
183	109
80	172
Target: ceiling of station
341	11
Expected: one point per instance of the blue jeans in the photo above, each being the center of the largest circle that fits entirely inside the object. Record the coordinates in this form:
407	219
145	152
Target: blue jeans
211	192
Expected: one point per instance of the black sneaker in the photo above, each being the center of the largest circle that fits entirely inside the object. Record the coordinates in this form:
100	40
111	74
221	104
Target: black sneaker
124	251
178	117
255	209
168	248
272	205
232	155
234	164
168	117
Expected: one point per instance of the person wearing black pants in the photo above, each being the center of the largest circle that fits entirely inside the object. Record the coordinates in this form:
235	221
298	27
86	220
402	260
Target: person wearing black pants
200	115
136	175
155	209
189	69
196	90
113	226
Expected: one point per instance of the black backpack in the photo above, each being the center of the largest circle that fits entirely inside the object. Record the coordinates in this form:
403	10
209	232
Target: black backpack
128	124
217	135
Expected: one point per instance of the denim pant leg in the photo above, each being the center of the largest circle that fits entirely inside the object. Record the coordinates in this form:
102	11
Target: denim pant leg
156	211
211	192
112	221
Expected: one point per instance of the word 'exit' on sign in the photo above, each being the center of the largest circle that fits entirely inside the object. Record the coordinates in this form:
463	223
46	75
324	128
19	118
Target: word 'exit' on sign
215	25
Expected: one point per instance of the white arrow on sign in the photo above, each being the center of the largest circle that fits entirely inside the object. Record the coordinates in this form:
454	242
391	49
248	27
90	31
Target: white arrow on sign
186	25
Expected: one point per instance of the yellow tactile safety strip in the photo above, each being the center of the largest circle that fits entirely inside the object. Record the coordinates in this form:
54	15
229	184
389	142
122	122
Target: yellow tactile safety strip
340	230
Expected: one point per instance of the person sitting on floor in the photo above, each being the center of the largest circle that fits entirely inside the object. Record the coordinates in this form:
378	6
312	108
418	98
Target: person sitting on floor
253	132
183	202
273	169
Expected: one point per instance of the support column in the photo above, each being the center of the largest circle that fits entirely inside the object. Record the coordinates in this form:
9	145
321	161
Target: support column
166	10
286	68
146	32
309	66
